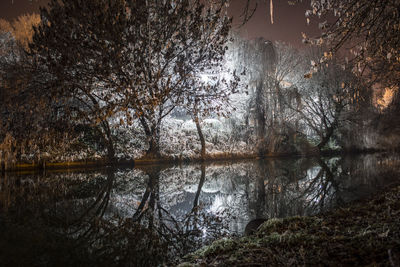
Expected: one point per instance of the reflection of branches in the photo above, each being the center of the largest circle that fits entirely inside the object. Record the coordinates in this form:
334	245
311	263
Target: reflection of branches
139	211
181	235
202	179
322	187
95	211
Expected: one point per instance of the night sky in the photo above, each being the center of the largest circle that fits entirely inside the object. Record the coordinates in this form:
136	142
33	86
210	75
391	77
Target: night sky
289	21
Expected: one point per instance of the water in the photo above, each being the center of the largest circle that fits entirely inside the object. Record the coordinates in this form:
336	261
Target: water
156	214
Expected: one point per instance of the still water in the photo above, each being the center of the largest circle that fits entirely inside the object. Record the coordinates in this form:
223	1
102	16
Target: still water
154	215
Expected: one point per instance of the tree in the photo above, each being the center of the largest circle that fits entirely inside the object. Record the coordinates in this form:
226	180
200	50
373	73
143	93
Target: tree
271	72
211	96
137	57
326	97
369	30
282	82
27	122
78	43
257	59
171	43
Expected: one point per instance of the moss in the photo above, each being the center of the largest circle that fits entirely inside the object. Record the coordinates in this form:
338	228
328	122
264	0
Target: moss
223	245
282	225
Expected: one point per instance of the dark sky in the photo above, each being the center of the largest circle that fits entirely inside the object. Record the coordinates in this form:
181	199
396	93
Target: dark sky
10	9
289	21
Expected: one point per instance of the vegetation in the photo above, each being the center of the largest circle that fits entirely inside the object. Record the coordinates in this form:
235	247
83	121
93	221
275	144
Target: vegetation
167	80
139	59
366	29
110	80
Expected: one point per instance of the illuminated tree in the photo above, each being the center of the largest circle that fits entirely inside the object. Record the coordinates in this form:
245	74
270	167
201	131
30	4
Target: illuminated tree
167	49
258	59
210	96
271	71
140	57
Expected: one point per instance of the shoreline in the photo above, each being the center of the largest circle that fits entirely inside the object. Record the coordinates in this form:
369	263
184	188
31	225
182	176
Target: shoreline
102	162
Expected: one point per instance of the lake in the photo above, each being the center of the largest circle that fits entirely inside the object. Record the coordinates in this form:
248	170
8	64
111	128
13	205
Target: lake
154	215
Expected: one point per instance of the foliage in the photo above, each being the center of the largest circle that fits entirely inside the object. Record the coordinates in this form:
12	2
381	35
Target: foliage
328	99
163	66
27	111
369	30
141	58
21	28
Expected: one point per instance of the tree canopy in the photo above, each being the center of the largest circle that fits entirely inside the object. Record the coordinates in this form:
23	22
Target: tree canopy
140	58
366	31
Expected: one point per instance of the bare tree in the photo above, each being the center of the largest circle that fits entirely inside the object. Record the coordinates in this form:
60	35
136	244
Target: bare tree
325	99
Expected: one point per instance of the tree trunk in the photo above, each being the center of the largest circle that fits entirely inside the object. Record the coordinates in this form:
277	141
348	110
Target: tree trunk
154	147
327	136
111	151
153	139
260	118
201	136
154	143
108	141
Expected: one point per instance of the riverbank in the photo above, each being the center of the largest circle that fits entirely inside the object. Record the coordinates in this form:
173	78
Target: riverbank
93	163
143	161
364	233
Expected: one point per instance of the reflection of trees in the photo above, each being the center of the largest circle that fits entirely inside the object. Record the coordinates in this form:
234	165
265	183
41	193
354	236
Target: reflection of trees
321	191
94	211
181	235
275	185
79	215
294	187
281	188
50	225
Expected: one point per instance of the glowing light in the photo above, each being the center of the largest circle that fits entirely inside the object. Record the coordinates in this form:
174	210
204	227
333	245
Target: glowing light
204	78
217	205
